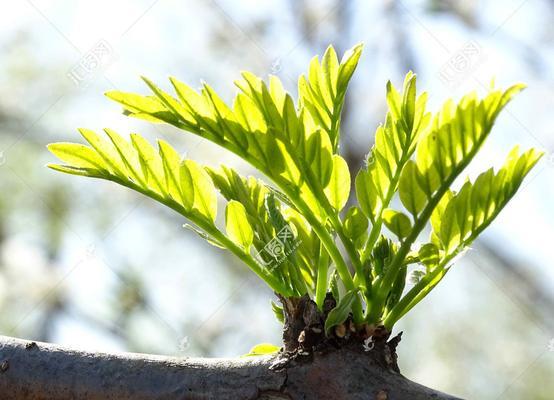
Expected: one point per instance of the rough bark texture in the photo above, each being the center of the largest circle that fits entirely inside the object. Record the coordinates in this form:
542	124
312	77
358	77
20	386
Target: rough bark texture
30	370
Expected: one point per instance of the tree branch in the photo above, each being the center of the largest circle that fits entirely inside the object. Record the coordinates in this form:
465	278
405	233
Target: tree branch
30	370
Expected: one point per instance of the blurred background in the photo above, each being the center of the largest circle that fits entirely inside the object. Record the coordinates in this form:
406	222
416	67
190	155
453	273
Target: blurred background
92	265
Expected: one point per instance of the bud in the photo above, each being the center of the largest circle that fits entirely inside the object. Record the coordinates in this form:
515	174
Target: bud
340	330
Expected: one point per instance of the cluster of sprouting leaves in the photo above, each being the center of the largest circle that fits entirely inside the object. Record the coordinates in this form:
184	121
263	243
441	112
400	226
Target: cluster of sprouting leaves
294	231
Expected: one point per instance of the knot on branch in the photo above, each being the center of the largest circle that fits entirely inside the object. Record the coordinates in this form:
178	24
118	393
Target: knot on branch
304	335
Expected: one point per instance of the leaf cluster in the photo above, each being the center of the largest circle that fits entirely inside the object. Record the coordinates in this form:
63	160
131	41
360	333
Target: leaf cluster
294	231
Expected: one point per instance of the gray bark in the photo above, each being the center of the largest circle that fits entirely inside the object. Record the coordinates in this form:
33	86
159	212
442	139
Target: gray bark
30	370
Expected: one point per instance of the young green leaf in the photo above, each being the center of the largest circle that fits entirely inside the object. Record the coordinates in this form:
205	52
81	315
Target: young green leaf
456	135
262	349
237	226
77	156
429	255
397	222
411	195
395	142
409	101
340	313
186	186
458	132
128	156
476	205
319	156
366	194
278	311
79	171
106	151
355	223
205	198
151	163
338	189
148	108
322	93
171	164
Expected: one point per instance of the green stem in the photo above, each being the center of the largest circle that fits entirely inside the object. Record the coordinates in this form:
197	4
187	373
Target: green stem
319	193
398	260
340	264
349	246
329	244
298	283
415	295
376	227
322	279
334	253
372	238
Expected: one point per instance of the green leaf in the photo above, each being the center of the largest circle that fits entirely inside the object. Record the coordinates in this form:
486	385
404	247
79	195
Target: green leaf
395	142
355	223
309	243
319	156
250	192
438	212
322	93
227	123
366	193
397	222
274	212
180	112
454	219
77	155
409	101
262	349
458	133
476	205
151	164
429	255
171	165
340	313
143	107
293	125
394	101
348	65
237	226
90	172
278	311
186	186
205	198
106	151
199	114
140	167
128	156
338	189
410	192
382	254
